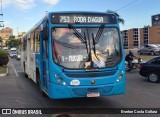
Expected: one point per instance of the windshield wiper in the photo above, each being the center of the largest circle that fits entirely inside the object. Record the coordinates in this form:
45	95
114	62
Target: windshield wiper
83	40
94	48
99	33
86	44
77	34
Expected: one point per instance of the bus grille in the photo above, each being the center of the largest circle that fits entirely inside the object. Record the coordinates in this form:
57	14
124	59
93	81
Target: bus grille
106	90
90	74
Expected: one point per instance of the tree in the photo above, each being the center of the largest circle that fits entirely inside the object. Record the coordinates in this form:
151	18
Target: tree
0	39
14	42
6	43
1	42
120	20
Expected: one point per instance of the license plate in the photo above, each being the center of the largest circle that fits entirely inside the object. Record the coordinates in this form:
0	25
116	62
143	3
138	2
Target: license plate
93	94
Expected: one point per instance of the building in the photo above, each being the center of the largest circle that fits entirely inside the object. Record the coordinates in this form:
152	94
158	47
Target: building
135	37
131	38
20	35
5	33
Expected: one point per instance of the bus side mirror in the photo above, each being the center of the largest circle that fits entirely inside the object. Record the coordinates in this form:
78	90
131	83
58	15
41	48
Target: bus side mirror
45	31
45	34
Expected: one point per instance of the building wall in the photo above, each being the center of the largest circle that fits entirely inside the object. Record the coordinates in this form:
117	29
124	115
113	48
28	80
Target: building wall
146	35
131	37
6	32
125	38
141	36
154	37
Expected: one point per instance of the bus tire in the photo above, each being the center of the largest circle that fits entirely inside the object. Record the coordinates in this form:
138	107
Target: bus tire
38	82
43	93
38	78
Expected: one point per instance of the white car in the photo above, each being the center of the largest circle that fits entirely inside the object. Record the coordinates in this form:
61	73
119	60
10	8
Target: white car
13	52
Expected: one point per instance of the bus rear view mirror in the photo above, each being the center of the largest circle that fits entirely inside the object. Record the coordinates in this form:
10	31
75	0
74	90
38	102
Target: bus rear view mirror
45	30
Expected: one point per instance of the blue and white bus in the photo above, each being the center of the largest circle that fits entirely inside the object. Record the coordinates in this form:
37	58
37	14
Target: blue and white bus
75	54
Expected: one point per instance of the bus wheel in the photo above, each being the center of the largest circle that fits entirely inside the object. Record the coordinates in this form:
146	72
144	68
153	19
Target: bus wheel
38	81
43	93
38	78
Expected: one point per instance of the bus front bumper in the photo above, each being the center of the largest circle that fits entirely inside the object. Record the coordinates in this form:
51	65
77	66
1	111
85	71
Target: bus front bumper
59	91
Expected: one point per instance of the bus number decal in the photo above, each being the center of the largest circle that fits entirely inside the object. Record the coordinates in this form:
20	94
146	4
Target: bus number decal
73	58
64	19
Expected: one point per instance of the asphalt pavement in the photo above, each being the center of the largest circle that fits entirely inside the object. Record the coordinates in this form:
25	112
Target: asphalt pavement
16	91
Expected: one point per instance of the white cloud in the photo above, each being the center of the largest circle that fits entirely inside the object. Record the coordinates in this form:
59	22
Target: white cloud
22	4
53	2
6	2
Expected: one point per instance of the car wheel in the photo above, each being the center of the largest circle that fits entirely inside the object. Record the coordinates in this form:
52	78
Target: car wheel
139	53
153	77
152	53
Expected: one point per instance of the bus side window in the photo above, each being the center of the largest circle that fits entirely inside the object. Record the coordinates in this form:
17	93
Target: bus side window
24	43
37	39
32	41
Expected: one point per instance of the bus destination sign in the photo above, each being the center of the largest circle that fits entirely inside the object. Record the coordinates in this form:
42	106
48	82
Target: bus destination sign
83	18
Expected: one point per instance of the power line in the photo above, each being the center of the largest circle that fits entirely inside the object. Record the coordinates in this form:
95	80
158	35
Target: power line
126	5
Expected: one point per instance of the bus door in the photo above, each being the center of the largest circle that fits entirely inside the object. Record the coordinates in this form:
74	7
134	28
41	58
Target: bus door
45	56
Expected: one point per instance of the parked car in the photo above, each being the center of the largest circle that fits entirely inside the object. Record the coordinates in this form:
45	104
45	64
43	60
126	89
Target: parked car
13	52
158	45
5	48
18	56
151	69
149	49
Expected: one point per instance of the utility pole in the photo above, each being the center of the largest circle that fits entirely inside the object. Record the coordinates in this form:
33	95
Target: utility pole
1	17
17	33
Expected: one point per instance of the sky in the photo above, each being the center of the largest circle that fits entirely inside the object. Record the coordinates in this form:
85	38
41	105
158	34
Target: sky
21	15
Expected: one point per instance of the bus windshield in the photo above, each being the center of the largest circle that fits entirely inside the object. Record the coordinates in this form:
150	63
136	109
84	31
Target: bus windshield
81	48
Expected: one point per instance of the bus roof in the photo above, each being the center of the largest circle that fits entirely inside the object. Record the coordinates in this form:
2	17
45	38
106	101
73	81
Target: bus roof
49	14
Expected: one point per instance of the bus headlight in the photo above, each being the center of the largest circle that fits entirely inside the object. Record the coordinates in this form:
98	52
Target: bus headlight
119	77
59	80
64	83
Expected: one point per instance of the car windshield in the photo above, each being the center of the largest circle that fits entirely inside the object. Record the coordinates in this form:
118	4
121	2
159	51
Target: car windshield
13	51
153	46
80	48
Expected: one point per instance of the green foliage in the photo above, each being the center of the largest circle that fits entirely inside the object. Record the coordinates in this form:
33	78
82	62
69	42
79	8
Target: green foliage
0	39
146	58
3	52
3	69
4	59
13	42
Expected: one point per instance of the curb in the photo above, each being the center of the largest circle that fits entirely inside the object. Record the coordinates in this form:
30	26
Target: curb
14	70
4	74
